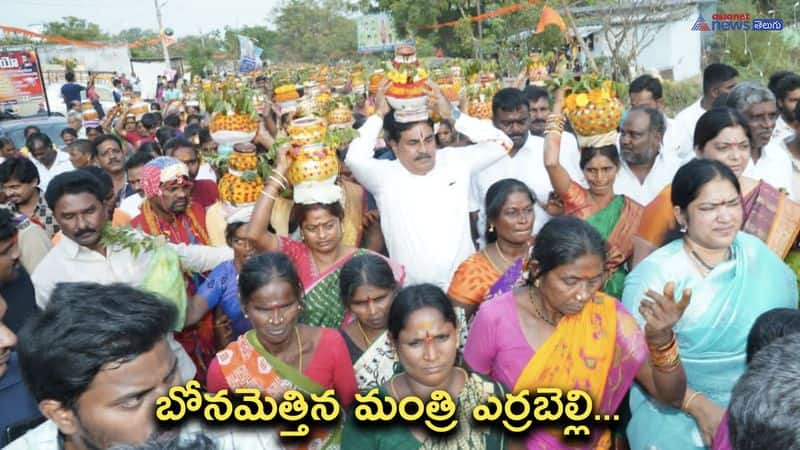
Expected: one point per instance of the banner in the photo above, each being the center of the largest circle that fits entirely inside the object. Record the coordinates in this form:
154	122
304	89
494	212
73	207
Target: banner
21	86
375	33
249	55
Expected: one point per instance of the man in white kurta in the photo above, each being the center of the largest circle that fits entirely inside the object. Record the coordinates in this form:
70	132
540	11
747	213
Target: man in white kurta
645	168
423	195
69	261
718	79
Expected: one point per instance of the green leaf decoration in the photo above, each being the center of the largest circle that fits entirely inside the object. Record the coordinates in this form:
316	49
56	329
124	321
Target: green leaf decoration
130	239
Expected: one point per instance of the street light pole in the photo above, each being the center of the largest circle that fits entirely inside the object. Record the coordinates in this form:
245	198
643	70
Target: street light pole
161	33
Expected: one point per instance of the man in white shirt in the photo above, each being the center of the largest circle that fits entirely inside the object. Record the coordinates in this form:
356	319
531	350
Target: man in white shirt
76	199
423	195
96	360
718	79
96	368
646	90
81	255
757	105
644	168
525	161
539	105
569	156
787	95
49	162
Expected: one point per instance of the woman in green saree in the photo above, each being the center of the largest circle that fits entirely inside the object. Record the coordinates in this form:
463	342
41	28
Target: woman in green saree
423	331
279	354
319	255
616	217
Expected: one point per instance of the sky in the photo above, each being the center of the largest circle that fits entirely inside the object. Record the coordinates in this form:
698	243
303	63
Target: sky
183	16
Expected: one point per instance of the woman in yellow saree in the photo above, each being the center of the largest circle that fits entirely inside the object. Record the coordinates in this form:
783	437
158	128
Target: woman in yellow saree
561	332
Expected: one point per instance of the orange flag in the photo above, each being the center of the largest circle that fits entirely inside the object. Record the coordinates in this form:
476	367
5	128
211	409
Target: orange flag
550	17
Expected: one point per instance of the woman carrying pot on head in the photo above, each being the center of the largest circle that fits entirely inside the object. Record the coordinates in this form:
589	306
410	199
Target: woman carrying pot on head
320	254
616	217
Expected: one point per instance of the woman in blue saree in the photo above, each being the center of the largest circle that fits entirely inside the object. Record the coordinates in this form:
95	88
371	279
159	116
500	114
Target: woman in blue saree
733	278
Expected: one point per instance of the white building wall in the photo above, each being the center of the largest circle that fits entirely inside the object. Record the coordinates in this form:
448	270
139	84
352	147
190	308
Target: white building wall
674	47
95	59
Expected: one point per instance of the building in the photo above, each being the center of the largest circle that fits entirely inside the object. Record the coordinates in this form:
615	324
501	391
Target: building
653	35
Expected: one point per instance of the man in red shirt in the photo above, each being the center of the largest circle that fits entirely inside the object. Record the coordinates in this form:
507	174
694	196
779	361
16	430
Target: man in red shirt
146	129
204	192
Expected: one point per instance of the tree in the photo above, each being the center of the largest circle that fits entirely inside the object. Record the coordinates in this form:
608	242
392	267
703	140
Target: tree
756	54
197	51
261	36
314	31
132	35
411	18
630	29
75	28
483	39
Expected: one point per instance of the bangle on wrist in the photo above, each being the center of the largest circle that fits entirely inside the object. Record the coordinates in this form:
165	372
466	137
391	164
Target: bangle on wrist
276	180
281	176
685	406
266	193
665	357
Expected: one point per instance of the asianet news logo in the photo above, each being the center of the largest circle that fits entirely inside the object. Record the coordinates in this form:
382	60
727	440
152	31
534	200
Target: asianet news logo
737	22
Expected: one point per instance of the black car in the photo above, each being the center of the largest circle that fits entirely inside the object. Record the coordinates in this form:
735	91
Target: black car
51	126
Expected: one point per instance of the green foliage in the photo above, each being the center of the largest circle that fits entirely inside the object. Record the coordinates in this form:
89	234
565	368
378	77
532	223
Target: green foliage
463	39
197	51
132	35
131	240
261	36
757	54
679	94
316	31
75	28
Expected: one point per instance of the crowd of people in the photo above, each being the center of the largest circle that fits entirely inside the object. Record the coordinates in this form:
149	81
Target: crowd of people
657	271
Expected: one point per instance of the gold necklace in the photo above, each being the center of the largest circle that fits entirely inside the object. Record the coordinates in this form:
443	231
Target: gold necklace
539	313
500	252
363	333
299	350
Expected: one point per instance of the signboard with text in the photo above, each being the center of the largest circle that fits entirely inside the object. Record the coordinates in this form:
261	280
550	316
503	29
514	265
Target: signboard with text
375	33
21	86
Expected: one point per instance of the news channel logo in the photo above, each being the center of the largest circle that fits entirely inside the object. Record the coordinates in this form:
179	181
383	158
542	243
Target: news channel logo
737	22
